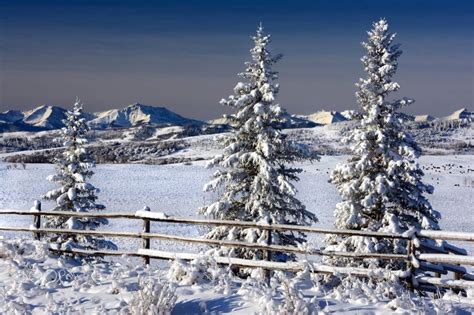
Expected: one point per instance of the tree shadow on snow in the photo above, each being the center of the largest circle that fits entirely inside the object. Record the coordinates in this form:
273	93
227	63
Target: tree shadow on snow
224	304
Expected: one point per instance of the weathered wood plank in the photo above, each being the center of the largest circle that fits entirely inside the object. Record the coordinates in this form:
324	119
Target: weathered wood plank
146	240
109	215
447	283
279	227
256	246
242	224
446	235
288	266
449	259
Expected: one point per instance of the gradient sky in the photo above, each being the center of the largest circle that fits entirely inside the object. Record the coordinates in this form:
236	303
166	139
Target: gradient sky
185	54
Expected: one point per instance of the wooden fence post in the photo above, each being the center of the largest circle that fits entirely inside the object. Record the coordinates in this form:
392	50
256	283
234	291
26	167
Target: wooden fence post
146	241
269	242
37	219
410	253
458	275
268	253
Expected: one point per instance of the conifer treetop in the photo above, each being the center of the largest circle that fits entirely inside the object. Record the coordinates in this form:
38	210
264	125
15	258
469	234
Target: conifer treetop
252	171
381	184
75	192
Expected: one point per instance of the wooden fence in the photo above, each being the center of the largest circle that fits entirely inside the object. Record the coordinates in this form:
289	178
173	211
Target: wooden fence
423	253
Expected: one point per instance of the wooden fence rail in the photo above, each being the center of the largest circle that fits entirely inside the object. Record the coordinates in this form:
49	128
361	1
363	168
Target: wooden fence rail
257	246
451	256
246	263
242	224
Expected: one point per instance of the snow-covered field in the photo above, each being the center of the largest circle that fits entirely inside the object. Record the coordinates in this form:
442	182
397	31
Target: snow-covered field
33	282
177	190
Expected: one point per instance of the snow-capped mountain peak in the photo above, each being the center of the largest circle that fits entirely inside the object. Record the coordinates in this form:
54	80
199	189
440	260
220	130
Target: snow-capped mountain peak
138	114
461	114
45	116
326	117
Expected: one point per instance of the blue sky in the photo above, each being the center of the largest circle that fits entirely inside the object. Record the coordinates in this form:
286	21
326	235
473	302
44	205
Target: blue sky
185	54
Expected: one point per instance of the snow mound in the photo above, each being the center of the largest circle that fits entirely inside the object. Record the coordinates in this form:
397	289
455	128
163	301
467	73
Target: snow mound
326	117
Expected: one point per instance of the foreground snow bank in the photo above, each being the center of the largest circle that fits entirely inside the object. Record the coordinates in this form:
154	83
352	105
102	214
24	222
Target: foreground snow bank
34	282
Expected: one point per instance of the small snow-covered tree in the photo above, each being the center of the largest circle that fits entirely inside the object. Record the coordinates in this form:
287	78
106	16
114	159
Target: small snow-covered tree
253	176
75	192
381	184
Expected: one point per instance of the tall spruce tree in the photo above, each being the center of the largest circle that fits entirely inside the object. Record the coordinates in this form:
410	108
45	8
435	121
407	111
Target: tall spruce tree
381	184
75	192
253	176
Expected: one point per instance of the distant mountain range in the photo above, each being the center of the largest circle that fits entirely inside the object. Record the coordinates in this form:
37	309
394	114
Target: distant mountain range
48	117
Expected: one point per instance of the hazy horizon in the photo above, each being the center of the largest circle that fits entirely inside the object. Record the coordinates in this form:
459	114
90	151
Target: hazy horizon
186	56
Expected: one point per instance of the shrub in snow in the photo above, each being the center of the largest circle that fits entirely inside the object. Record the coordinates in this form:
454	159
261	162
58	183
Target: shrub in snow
189	273
293	301
280	295
75	192
154	297
381	184
203	269
389	293
253	172
34	282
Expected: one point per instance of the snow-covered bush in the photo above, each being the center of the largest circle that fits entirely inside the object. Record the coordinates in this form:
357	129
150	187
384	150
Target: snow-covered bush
284	294
253	177
293	301
34	281
280	295
190	273
14	249
154	297
366	291
75	193
381	184
203	270
394	296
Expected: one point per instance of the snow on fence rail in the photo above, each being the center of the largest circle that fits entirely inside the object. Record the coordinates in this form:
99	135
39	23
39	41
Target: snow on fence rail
425	261
141	215
448	259
273	248
238	262
446	235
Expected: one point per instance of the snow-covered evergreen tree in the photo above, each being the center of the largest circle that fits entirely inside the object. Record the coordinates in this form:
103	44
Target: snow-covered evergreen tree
75	192
253	177
381	184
